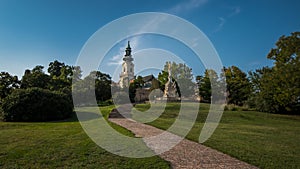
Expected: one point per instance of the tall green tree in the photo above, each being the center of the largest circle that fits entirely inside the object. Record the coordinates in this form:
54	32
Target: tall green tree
102	86
261	97
60	76
95	84
205	85
238	86
280	87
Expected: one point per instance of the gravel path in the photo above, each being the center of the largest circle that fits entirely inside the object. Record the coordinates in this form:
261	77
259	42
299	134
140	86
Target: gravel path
186	154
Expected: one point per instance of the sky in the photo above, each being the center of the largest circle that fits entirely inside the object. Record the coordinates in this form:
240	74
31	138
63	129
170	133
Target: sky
36	32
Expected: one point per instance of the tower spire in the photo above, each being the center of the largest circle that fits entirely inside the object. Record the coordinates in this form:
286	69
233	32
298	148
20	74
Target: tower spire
127	73
128	49
128	45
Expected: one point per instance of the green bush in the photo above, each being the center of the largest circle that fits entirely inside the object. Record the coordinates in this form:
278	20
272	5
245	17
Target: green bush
36	104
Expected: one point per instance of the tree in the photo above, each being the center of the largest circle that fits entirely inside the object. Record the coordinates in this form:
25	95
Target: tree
7	84
280	87
205	85
259	97
179	71
287	50
102	86
54	68
137	83
95	84
83	91
35	78
238	85
61	75
77	73
163	79
35	83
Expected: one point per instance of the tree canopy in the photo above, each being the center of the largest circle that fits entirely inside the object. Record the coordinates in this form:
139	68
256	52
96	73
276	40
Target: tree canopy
278	87
238	85
274	89
205	85
7	84
41	90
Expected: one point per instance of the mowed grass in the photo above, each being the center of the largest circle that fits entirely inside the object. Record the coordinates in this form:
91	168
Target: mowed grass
62	145
262	139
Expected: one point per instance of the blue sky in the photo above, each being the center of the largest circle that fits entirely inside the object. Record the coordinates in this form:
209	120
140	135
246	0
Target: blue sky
36	32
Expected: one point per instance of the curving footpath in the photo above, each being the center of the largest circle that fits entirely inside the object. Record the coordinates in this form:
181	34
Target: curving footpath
187	154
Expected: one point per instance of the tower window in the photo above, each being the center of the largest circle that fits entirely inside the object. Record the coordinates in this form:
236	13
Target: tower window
124	69
130	69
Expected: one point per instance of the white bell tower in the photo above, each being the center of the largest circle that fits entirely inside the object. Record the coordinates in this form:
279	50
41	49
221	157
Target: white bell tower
127	73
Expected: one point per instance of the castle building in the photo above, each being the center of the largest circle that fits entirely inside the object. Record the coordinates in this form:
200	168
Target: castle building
127	73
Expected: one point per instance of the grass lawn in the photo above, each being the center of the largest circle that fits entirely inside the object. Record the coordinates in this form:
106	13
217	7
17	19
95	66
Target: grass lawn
261	139
61	145
264	140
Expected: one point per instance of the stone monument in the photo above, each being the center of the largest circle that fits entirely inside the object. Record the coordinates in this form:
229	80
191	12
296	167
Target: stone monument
170	92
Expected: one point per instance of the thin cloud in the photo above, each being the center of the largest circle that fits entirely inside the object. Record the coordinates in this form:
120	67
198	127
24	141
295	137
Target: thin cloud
222	20
135	41
114	63
187	6
235	10
117	59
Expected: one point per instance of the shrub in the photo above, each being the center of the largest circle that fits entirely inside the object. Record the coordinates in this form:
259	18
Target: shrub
36	104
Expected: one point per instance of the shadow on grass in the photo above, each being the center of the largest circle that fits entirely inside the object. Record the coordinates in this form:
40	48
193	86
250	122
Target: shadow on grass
84	116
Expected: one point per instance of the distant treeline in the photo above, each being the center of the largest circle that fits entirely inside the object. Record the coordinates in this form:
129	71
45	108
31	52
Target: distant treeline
40	96
273	89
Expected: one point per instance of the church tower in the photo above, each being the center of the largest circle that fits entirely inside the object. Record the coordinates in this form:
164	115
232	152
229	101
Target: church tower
127	73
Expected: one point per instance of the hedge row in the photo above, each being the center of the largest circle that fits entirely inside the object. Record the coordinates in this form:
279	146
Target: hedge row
36	104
